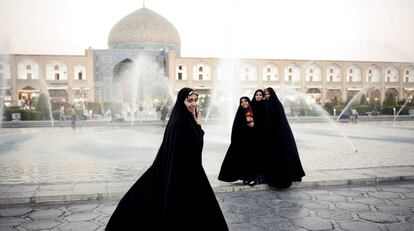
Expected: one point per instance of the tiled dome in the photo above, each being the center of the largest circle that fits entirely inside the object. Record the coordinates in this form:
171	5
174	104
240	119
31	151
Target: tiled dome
143	28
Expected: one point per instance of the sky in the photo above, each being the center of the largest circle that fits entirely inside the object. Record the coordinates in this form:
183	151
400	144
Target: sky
360	30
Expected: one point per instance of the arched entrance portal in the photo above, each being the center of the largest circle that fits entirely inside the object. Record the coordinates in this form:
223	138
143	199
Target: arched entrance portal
122	73
315	94
140	84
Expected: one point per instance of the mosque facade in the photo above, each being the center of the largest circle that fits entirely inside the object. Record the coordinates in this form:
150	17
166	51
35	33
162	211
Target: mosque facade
145	38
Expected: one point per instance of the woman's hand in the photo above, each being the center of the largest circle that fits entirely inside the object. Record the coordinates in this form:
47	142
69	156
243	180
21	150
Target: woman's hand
250	124
197	117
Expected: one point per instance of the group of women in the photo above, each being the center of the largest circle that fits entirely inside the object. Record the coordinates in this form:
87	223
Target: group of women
262	148
175	194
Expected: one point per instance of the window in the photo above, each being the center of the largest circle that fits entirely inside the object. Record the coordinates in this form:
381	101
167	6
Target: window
290	78
29	75
369	78
290	70
28	67
311	71
80	75
268	69
351	71
388	71
180	76
350	78
268	77
311	78
247	69
57	76
330	78
406	79
331	70
200	76
369	71
180	67
388	79
200	69
407	72
56	67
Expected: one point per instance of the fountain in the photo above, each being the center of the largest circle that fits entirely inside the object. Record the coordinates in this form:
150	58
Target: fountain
227	91
143	85
356	96
408	100
3	86
49	105
101	103
321	111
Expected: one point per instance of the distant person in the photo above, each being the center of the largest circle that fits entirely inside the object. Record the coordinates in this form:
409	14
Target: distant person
164	112
174	193
73	115
354	116
238	164
62	112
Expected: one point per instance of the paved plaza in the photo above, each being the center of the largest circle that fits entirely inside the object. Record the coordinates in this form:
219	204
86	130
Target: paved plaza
113	154
380	207
65	179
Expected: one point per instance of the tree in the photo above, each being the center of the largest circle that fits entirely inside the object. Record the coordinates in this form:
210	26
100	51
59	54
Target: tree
336	102
363	100
390	101
42	106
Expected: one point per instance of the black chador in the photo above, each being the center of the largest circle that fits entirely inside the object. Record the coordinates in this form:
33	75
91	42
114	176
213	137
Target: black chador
259	139
174	193
239	163
284	166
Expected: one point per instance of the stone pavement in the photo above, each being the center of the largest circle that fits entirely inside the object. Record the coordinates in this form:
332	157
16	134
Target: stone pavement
384	206
80	191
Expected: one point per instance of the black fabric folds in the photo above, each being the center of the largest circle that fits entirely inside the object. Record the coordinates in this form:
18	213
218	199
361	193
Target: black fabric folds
284	165
174	193
238	163
260	118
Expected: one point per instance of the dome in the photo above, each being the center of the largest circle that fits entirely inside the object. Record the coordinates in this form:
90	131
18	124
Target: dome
144	29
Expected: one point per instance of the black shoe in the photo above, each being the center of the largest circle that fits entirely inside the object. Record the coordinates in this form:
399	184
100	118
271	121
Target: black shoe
252	183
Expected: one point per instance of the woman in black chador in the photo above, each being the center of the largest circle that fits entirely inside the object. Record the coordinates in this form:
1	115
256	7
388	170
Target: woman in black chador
259	141
284	166
238	163
174	193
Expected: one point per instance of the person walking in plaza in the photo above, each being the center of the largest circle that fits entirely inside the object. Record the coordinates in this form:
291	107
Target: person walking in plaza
174	193
62	112
238	163
73	115
282	157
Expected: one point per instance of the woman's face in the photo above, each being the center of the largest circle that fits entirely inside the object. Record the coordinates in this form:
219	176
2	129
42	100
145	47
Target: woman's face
258	96
267	95
244	103
191	102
